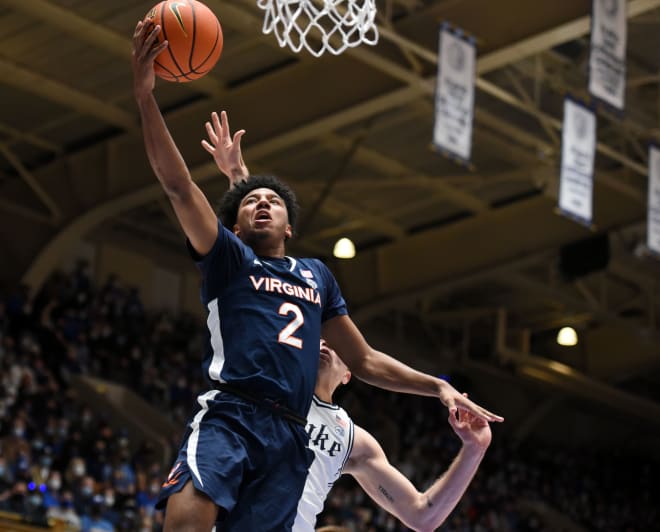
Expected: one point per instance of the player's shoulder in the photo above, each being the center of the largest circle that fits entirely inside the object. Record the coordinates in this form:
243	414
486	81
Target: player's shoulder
365	447
230	236
227	245
323	405
338	413
311	262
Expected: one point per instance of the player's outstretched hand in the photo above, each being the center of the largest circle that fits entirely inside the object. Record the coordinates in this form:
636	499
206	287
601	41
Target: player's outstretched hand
145	50
454	400
225	149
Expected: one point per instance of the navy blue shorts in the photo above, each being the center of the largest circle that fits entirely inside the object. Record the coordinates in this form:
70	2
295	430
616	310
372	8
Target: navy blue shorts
250	462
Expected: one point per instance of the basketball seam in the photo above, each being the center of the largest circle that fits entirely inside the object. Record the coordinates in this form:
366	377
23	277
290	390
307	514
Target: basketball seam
167	70
215	44
194	35
176	63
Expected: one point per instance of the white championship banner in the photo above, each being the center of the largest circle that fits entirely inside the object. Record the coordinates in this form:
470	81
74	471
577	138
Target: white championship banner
578	150
653	229
454	96
607	61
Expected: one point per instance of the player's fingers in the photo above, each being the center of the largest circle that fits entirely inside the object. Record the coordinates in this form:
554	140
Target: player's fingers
155	52
208	147
451	406
480	422
138	30
477	410
225	125
215	120
452	420
481	412
152	36
490	416
237	137
149	50
140	38
458	420
211	133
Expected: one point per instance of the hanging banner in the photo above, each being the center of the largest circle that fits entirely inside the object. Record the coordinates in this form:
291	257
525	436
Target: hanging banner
607	61
454	96
578	150
653	229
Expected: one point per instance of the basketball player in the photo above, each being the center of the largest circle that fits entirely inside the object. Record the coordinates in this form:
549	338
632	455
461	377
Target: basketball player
244	456
341	447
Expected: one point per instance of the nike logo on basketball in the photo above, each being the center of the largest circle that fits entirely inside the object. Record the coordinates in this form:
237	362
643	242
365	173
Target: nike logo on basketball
174	8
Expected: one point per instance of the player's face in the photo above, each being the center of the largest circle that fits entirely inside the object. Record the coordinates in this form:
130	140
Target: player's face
330	363
262	215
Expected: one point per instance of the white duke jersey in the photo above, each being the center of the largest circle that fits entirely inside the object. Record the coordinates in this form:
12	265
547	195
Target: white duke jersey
330	431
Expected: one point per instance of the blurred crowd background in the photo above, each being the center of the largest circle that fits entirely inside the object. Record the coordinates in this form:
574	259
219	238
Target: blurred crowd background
59	458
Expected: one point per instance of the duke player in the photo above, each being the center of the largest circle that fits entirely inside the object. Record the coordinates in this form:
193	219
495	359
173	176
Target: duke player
245	457
341	447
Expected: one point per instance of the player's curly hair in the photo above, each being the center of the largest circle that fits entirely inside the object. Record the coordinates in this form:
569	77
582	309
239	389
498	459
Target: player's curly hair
229	203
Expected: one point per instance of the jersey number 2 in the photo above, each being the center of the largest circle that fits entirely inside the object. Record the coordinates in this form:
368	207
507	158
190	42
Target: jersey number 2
286	334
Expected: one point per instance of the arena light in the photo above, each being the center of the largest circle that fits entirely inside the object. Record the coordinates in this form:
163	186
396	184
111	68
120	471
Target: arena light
567	337
344	249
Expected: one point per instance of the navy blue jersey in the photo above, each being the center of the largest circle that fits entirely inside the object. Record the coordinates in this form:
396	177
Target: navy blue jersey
264	320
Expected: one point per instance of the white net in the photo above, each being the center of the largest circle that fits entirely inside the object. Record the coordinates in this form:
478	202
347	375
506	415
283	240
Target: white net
320	25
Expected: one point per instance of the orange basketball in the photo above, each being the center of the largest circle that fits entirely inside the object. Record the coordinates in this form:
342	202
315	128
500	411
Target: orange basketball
194	37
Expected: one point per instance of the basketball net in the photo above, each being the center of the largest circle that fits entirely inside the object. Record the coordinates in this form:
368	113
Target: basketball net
320	25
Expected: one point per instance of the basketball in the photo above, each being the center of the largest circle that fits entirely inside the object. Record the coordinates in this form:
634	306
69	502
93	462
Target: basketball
194	37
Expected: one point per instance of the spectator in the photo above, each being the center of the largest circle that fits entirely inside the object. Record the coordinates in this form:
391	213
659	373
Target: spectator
48	441
65	512
94	520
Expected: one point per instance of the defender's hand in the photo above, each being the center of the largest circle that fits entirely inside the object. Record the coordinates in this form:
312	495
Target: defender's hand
454	400
226	151
473	431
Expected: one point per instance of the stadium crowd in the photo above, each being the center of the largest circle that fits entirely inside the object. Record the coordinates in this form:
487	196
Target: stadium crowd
59	459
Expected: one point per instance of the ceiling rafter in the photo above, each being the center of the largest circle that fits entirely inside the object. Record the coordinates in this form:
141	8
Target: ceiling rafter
16	136
55	91
32	182
306	132
560	85
94	34
392	166
515	52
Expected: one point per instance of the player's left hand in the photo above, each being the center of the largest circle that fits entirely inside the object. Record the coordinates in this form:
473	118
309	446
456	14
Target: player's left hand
454	400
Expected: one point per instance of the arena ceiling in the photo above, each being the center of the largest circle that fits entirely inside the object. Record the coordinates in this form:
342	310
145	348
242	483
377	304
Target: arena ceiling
441	247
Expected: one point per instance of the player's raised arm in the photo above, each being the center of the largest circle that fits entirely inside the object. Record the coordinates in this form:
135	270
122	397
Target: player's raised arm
380	369
192	208
388	487
225	148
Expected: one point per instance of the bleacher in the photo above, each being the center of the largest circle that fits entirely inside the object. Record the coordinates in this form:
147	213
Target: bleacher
95	392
